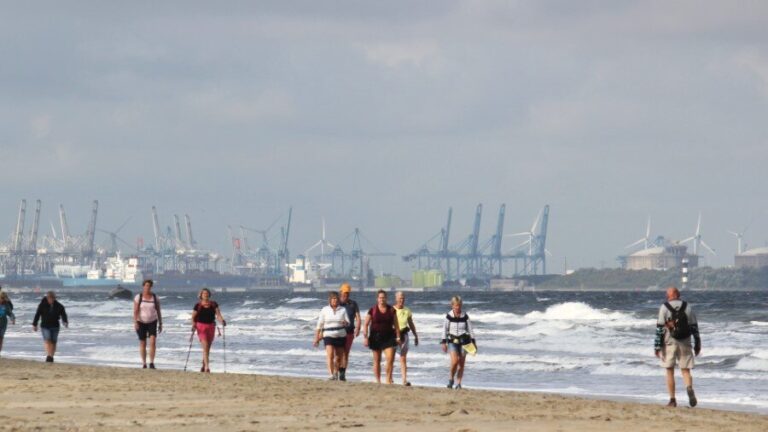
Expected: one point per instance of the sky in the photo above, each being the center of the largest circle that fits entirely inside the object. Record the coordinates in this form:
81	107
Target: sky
381	115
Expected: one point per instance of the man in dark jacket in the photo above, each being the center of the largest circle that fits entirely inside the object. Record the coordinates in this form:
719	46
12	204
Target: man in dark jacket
48	314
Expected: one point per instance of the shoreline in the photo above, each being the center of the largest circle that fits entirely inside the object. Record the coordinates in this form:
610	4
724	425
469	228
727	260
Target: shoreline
47	396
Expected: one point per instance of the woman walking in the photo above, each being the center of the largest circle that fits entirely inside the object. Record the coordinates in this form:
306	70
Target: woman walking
49	312
148	322
204	316
457	332
6	311
332	329
381	334
405	321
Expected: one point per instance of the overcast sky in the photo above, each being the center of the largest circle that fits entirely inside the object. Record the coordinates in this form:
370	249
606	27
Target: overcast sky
381	115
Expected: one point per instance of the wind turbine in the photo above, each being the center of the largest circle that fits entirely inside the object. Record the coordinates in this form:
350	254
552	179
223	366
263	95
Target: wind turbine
739	238
696	239
645	240
113	237
323	243
532	235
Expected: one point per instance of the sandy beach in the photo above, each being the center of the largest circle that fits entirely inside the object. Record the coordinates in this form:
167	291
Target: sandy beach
38	396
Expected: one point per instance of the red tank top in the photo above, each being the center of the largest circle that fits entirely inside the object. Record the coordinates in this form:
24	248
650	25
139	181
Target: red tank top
382	322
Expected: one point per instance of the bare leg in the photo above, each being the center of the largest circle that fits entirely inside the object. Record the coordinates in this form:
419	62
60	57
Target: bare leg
389	354
339	357
377	365
687	378
404	368
671	382
454	364
329	359
143	351
152	341
206	354
460	372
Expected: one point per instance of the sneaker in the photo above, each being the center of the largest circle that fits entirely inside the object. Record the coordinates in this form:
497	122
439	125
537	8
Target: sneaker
207	371
342	374
450	384
48	359
407	384
202	369
332	378
458	387
144	366
151	365
672	403
691	397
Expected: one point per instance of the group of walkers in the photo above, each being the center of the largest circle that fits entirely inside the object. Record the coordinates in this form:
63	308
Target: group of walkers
386	331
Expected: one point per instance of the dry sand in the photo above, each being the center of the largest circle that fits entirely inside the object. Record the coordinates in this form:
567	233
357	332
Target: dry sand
39	396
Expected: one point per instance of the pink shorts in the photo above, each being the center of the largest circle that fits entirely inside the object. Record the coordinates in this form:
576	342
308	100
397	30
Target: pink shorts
206	332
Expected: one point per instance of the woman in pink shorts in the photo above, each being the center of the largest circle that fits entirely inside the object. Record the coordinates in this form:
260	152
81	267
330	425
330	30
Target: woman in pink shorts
204	316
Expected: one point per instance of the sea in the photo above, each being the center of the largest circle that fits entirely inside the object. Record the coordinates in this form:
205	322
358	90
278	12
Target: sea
586	343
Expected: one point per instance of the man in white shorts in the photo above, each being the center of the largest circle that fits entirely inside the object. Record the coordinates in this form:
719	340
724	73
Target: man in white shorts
674	328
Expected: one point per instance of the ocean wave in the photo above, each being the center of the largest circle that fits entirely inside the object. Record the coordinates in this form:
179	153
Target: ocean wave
759	323
301	300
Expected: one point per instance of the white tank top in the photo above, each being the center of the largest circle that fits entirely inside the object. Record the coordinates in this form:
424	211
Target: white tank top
147	309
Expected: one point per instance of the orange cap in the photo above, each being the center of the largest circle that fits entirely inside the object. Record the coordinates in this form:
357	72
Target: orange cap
345	288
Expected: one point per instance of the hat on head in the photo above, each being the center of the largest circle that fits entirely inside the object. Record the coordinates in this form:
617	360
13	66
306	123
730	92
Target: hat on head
345	288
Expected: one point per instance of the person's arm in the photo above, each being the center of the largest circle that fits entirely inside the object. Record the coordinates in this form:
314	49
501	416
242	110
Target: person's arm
358	320
319	328
397	327
366	329
194	316
446	328
136	313
694	326
37	317
220	316
11	315
471	331
658	342
64	316
159	315
412	326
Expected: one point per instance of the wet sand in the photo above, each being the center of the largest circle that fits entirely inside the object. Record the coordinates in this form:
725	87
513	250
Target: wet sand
39	396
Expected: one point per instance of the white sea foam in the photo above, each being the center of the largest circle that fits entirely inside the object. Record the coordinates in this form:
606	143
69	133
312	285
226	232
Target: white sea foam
302	300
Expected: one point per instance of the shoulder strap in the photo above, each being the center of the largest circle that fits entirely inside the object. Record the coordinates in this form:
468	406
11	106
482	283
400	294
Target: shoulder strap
141	298
682	308
669	306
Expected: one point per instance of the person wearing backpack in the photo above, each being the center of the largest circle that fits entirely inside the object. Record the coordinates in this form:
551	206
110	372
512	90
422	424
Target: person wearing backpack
148	322
674	328
6	312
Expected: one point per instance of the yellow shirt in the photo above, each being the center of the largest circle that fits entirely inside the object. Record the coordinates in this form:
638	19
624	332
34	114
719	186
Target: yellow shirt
402	317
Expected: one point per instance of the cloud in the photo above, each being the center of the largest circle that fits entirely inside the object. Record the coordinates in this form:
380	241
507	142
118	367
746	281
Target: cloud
394	55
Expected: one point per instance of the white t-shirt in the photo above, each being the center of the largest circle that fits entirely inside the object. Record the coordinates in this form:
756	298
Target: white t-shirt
147	310
333	323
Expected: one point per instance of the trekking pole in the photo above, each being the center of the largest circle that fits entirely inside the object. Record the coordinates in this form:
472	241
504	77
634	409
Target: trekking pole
224	338
189	351
223	333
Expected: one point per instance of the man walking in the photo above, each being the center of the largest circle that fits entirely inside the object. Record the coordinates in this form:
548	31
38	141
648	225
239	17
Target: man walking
674	328
353	329
48	314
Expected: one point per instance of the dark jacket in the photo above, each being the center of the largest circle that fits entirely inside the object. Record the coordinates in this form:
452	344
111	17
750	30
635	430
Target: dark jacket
50	314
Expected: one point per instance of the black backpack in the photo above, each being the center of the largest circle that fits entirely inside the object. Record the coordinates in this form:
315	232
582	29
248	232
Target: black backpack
678	325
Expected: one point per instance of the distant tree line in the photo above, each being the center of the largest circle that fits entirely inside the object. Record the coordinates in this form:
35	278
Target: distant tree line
702	277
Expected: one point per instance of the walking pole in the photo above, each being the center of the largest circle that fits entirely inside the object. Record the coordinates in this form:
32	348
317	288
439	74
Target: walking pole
224	337
189	351
223	333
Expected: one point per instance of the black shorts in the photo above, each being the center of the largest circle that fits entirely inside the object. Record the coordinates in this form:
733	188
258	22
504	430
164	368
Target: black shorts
381	341
147	329
335	342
